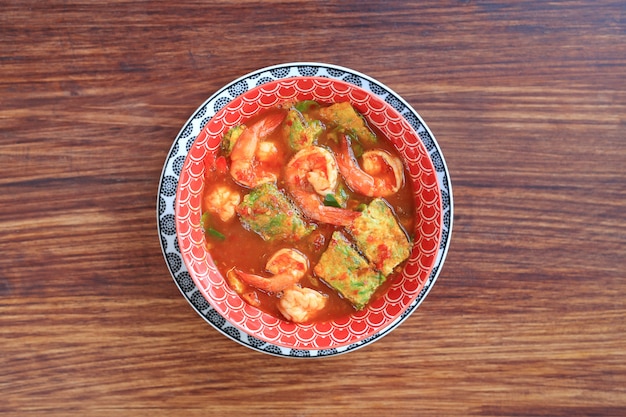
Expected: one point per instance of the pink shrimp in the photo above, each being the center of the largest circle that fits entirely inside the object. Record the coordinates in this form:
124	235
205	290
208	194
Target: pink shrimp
382	174
246	167
312	173
288	266
301	304
222	201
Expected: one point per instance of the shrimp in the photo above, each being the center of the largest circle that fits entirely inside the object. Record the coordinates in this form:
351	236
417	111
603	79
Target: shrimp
300	304
382	174
288	266
312	173
236	284
246	167
222	201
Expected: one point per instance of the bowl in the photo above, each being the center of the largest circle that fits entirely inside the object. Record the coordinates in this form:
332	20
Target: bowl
427	175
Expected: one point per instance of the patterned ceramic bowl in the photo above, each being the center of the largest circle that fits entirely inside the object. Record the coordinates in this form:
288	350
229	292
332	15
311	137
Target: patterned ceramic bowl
414	143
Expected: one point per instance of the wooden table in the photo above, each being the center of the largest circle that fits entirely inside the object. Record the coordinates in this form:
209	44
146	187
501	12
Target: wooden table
527	100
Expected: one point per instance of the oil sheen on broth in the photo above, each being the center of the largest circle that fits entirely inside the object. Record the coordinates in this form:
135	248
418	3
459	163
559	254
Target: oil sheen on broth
306	211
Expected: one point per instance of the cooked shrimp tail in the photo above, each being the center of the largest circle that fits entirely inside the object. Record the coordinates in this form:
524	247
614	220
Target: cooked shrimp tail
288	266
315	209
311	174
382	174
274	283
246	168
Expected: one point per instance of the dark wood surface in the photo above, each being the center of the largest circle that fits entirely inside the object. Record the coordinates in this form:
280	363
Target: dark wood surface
527	100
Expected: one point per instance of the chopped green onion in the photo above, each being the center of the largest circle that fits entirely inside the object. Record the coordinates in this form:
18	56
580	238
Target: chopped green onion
331	201
205	219
303	106
214	233
342	194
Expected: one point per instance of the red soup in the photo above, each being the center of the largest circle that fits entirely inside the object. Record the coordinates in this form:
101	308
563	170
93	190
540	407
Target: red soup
306	211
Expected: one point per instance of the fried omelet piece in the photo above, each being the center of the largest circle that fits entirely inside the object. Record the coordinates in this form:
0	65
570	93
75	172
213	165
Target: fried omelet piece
347	119
379	237
269	213
299	131
342	267
230	137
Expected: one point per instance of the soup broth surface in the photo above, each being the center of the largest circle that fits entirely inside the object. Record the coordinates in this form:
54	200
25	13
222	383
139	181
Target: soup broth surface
234	247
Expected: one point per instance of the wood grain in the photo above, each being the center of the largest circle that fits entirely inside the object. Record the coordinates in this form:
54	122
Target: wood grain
527	101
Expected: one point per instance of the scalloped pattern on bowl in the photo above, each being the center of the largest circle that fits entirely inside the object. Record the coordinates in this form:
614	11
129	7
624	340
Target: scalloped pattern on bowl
322	335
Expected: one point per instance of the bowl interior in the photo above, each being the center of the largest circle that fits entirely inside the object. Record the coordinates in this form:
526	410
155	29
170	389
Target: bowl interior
382	312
